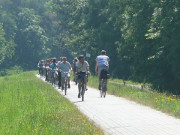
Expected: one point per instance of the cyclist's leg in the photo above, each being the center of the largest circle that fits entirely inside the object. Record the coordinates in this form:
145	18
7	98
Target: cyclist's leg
99	75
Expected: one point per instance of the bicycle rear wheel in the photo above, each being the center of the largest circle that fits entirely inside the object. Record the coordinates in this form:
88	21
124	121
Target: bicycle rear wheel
104	88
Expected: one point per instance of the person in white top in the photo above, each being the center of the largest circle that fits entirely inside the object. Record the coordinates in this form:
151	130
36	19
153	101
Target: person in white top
102	62
65	67
82	68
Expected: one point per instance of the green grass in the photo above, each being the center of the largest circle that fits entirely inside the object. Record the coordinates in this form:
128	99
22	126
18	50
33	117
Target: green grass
29	106
164	102
128	82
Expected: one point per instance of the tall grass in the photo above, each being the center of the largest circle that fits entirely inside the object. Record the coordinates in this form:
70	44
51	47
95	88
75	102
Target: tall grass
30	106
164	102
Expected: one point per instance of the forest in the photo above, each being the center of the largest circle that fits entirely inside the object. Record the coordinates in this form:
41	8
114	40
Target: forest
141	37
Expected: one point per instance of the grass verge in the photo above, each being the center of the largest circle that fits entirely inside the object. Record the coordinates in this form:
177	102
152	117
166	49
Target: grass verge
164	102
30	106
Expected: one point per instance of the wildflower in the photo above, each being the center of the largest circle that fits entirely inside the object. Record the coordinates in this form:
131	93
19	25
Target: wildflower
36	129
7	131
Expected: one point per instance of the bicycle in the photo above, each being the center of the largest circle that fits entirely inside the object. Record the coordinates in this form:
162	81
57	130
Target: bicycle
103	78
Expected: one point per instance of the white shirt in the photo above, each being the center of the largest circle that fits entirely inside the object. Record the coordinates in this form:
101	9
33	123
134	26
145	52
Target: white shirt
65	67
102	61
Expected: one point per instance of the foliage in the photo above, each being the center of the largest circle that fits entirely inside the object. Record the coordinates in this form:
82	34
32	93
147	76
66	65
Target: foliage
141	37
11	71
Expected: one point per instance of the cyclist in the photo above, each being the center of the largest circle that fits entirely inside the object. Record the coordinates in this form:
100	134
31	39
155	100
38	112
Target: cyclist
74	67
40	65
65	67
59	72
47	66
82	70
53	66
102	62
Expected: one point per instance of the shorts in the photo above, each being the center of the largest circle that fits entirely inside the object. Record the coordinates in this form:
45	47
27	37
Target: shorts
81	74
64	74
100	69
54	71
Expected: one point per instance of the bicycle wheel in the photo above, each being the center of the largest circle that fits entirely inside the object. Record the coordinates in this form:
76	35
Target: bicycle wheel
104	88
101	91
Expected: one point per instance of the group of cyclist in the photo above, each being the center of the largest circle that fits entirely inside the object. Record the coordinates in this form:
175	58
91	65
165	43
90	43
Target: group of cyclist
79	66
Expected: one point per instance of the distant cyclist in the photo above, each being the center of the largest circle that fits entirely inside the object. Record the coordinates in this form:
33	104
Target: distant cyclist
47	65
82	70
65	67
40	65
59	71
102	62
74	67
53	66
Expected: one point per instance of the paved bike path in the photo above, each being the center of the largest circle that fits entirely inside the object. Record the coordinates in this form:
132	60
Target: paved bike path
118	116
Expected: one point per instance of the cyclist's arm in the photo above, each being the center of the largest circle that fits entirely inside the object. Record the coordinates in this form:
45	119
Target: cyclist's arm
87	68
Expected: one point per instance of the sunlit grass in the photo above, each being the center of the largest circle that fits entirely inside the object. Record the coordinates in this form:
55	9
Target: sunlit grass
30	106
128	82
164	102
